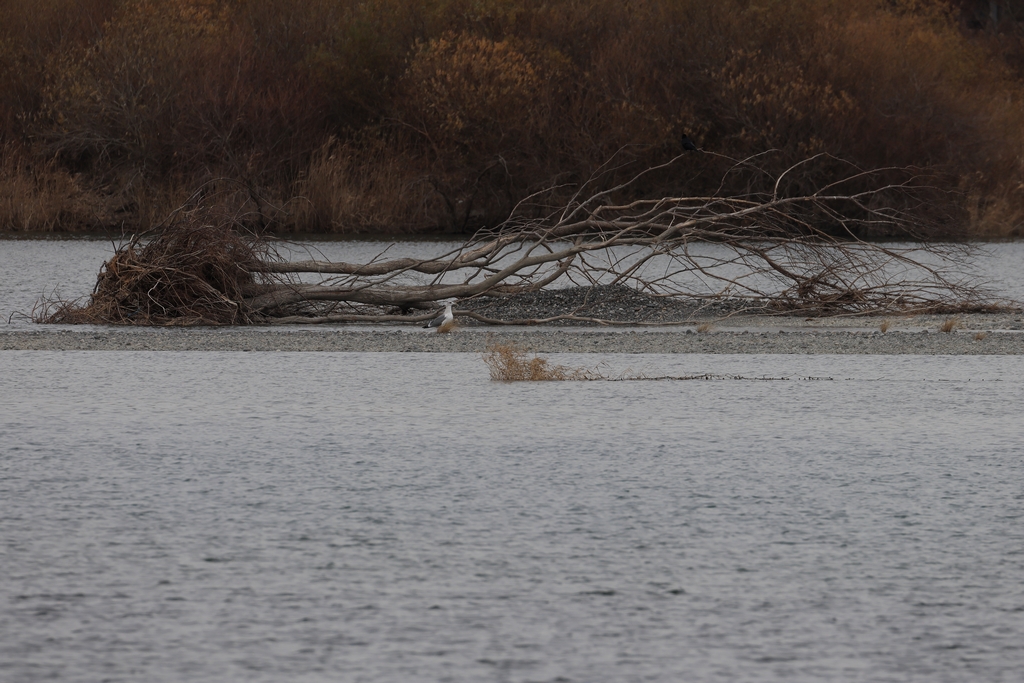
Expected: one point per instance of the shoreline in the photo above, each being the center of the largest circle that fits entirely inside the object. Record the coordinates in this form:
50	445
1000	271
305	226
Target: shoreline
976	334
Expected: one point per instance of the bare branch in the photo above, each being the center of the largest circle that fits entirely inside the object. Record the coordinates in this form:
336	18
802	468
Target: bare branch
798	253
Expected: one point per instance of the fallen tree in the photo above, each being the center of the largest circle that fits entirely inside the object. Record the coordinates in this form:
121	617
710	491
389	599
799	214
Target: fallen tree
770	250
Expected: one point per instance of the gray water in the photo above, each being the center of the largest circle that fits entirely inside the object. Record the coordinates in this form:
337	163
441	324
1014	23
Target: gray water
399	517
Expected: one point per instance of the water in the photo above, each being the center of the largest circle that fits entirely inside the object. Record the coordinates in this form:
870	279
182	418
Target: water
399	517
34	269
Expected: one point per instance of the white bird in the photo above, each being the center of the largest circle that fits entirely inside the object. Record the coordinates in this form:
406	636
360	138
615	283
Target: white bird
444	322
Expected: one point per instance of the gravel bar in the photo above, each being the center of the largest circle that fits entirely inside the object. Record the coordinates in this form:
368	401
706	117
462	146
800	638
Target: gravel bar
648	324
753	339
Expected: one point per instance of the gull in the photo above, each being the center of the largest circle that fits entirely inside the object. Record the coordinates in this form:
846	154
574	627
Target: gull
444	322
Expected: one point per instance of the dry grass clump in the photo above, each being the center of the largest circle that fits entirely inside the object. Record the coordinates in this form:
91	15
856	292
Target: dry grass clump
978	336
885	325
353	188
509	363
703	328
43	197
949	324
193	273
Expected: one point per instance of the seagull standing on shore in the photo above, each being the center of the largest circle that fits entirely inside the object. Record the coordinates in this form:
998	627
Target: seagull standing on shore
444	322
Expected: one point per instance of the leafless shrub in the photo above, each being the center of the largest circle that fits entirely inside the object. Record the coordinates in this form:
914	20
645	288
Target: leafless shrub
509	363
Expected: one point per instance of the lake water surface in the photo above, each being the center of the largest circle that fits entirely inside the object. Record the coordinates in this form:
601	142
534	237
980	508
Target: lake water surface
399	517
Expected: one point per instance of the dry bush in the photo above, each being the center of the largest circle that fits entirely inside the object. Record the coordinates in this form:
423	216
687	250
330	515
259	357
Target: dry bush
998	214
363	48
351	188
949	324
172	88
509	363
193	273
484	115
31	31
469	92
926	95
43	197
979	336
775	103
885	325
488	101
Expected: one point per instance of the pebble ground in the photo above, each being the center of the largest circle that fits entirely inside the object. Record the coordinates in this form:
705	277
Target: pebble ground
647	324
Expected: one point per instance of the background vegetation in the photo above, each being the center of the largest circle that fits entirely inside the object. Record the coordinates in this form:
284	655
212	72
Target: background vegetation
407	116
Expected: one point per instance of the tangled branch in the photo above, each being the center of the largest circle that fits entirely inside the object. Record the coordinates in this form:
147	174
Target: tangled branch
797	253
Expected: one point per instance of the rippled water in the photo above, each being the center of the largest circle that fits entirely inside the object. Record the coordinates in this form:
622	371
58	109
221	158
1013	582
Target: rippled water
399	517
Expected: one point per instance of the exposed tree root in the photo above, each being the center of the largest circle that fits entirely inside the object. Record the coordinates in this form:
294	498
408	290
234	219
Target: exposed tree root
192	273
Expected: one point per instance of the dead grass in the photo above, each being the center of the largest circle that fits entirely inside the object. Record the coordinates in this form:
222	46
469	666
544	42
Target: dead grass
43	197
352	188
885	325
980	335
704	328
998	214
509	363
949	324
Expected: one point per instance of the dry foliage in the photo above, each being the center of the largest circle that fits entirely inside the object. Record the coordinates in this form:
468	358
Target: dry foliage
354	188
44	197
949	324
885	325
465	108
509	363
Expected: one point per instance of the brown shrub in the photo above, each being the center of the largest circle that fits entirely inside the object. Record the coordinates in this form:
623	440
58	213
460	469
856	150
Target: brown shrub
171	88
509	363
352	188
949	324
483	102
40	196
30	32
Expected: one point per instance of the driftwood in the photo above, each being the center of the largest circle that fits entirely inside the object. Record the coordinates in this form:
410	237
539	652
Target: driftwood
798	253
